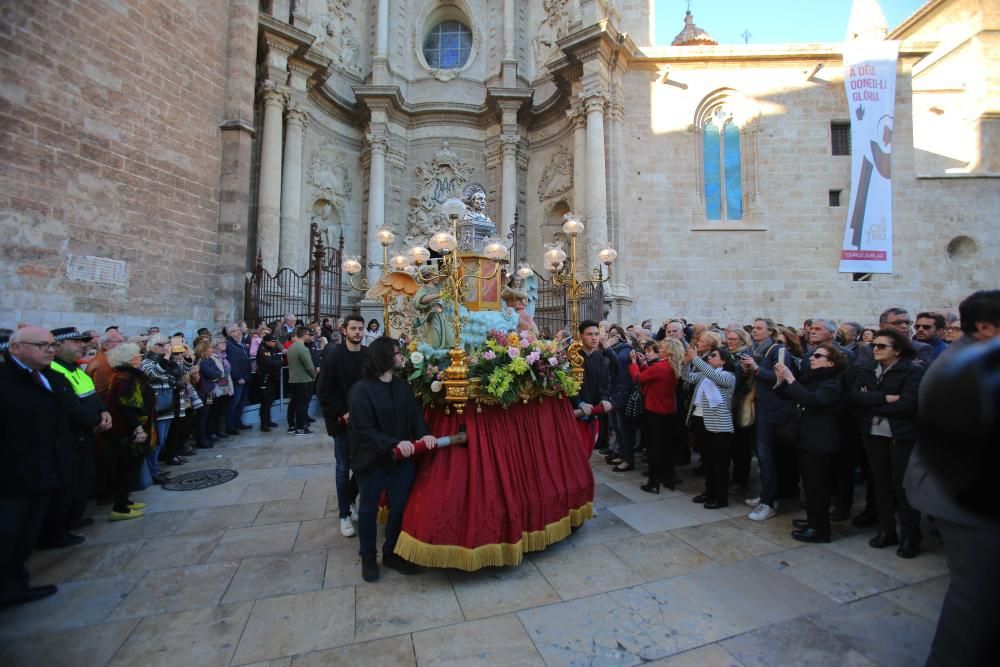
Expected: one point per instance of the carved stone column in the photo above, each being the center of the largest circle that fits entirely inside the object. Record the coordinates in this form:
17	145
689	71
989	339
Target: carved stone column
269	191
380	64
579	119
509	66
509	144
378	142
290	253
597	196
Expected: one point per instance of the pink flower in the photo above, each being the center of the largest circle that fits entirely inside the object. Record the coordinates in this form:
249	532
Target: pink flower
534	356
489	355
553	361
525	342
513	352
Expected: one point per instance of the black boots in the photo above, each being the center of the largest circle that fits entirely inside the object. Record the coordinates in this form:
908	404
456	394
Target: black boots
883	540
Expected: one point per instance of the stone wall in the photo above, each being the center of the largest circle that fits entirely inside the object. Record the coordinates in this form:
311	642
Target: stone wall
109	206
784	262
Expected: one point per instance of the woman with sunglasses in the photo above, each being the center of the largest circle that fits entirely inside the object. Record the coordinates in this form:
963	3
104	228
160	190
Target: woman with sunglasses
886	391
817	395
710	418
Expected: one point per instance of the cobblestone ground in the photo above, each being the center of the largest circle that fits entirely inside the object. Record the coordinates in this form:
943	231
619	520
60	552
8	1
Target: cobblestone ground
255	572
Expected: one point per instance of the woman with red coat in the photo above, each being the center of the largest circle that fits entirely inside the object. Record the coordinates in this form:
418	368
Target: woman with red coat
657	375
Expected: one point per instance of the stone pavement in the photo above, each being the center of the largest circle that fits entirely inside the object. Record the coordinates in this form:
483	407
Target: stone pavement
255	572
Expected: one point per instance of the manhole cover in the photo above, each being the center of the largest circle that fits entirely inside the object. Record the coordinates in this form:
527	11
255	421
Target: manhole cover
200	479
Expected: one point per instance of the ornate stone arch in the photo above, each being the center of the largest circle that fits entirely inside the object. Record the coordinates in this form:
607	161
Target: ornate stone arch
722	110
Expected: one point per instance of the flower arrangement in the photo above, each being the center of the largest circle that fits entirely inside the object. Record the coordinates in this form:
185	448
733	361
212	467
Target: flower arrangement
513	366
508	367
424	370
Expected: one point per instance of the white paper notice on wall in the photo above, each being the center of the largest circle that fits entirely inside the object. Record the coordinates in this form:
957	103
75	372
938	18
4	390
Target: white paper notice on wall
870	82
90	269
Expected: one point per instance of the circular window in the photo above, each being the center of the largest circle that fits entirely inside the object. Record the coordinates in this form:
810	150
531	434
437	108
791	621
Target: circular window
962	249
447	45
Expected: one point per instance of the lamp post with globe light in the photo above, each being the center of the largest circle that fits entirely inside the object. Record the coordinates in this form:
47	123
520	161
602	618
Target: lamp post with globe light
565	275
352	266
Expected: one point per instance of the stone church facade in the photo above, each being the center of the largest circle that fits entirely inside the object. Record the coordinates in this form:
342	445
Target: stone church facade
153	149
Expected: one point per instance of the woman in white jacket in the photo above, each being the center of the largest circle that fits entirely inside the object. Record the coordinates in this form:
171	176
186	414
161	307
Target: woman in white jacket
710	419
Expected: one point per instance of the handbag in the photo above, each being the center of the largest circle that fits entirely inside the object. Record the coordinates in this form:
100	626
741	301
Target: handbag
786	432
746	411
633	404
164	400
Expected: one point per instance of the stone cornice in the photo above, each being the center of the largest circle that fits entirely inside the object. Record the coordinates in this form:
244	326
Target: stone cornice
736	53
238	125
911	22
274	31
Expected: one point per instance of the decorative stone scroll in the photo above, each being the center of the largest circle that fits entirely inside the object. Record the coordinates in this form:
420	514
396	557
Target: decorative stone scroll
557	177
441	178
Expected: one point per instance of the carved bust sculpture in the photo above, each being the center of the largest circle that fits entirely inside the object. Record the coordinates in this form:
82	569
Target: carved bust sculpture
476	226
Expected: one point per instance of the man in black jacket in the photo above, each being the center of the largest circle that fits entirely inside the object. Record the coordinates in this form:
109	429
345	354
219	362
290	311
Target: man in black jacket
269	363
36	408
385	416
340	370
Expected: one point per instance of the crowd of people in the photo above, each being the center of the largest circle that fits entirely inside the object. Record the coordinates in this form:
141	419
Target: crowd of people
88	416
909	406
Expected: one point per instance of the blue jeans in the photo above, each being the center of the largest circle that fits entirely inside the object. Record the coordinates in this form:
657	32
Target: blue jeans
346	491
765	460
397	482
162	430
238	401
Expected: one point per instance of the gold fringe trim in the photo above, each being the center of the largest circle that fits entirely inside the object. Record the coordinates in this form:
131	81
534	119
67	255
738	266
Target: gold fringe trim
383	515
490	555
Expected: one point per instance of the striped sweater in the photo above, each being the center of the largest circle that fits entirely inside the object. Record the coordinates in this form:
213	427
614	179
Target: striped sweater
720	418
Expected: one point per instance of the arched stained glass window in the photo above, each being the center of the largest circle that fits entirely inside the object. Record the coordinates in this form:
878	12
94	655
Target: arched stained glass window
723	175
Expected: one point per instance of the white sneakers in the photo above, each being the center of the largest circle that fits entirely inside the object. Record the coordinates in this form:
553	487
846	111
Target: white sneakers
346	527
762	512
752	502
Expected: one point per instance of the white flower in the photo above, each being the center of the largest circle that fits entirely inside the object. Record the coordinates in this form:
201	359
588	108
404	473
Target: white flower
417	358
436	386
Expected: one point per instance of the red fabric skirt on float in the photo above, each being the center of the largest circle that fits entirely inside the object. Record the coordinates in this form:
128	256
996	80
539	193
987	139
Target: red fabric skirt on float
523	482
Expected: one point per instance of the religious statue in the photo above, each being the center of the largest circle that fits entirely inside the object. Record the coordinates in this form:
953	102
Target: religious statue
433	324
476	226
517	299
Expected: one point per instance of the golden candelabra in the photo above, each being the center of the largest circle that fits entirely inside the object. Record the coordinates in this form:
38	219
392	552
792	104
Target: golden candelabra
565	276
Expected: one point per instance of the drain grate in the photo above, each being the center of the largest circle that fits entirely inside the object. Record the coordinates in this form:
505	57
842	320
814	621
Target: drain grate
200	479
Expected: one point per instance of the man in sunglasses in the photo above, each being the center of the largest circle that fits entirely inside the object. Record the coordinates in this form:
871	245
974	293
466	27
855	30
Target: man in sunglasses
929	328
36	408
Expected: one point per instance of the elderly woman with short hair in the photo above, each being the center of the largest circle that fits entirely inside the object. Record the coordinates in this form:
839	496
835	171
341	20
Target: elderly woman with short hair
164	378
131	401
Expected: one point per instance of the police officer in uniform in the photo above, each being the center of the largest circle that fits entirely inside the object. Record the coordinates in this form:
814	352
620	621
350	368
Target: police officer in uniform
66	510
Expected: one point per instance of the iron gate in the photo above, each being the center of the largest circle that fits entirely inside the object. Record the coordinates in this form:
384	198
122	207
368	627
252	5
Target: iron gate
553	311
312	295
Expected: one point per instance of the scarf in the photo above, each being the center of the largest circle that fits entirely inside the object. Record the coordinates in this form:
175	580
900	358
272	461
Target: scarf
709	391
